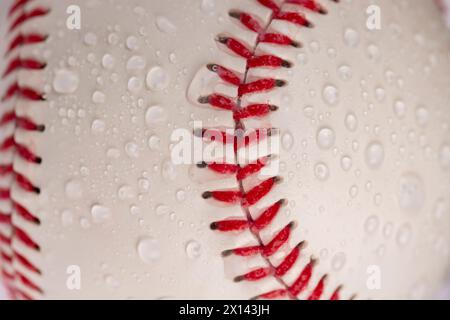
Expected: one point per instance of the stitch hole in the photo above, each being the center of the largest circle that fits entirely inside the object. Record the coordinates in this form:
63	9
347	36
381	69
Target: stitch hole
202	165
38	160
40	128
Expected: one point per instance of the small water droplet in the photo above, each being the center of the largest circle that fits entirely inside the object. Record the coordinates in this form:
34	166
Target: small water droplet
154	143
346	163
411	193
98	126
132	150
168	170
90	39
135	84
74	189
136	63
330	95
444	156
132	43
422	116
321	171
287	141
125	192
345	72
374	155
371	224
338	261
351	121
399	109
108	61
351	37
193	249
404	235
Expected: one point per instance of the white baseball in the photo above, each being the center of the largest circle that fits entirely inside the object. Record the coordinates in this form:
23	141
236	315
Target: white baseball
99	97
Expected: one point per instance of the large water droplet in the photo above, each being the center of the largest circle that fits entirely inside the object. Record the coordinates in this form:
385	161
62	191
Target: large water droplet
65	81
325	138
165	25
157	79
100	214
399	109
136	63
155	115
374	155
148	250
108	61
98	97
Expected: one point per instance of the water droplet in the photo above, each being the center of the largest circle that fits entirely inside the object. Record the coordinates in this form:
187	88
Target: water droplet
193	249
113	38
144	185
154	143
74	189
351	121
66	218
111	281
181	195
411	193
404	235
113	153
371	224
330	95
132	43
351	37
98	97
444	156
135	84
100	214
287	141
422	116
157	79
308	111
338	261
136	63
208	5
325	138
380	94
374	155
162	209
388	229
345	72
132	150
98	126
346	163
125	192
441	209
90	39
155	115
165	25
399	109
321	171
353	191
65	81
168	170
108	61
148	250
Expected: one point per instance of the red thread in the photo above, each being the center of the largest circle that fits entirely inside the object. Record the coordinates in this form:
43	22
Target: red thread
17	91
247	198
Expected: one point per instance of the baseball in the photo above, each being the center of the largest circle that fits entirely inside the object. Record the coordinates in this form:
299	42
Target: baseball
223	149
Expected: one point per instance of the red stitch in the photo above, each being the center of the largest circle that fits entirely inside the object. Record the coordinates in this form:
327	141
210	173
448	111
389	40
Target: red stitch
267	216
254	110
229	225
318	290
250	169
26	263
25	16
335	295
276	38
259	191
27	282
222	168
301	282
22	92
270	4
309	4
247	20
225	74
267	61
6	257
274	294
19	63
25	39
17	5
5	218
289	260
278	241
218	101
293	17
244	251
4	194
24	213
6	169
260	86
4	239
25	183
255	275
25	238
235	46
231	197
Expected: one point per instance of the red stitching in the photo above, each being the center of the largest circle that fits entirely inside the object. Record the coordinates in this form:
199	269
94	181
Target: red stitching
246	198
17	91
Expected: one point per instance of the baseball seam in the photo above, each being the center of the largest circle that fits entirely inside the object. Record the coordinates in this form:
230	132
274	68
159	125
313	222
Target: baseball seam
246	198
18	15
